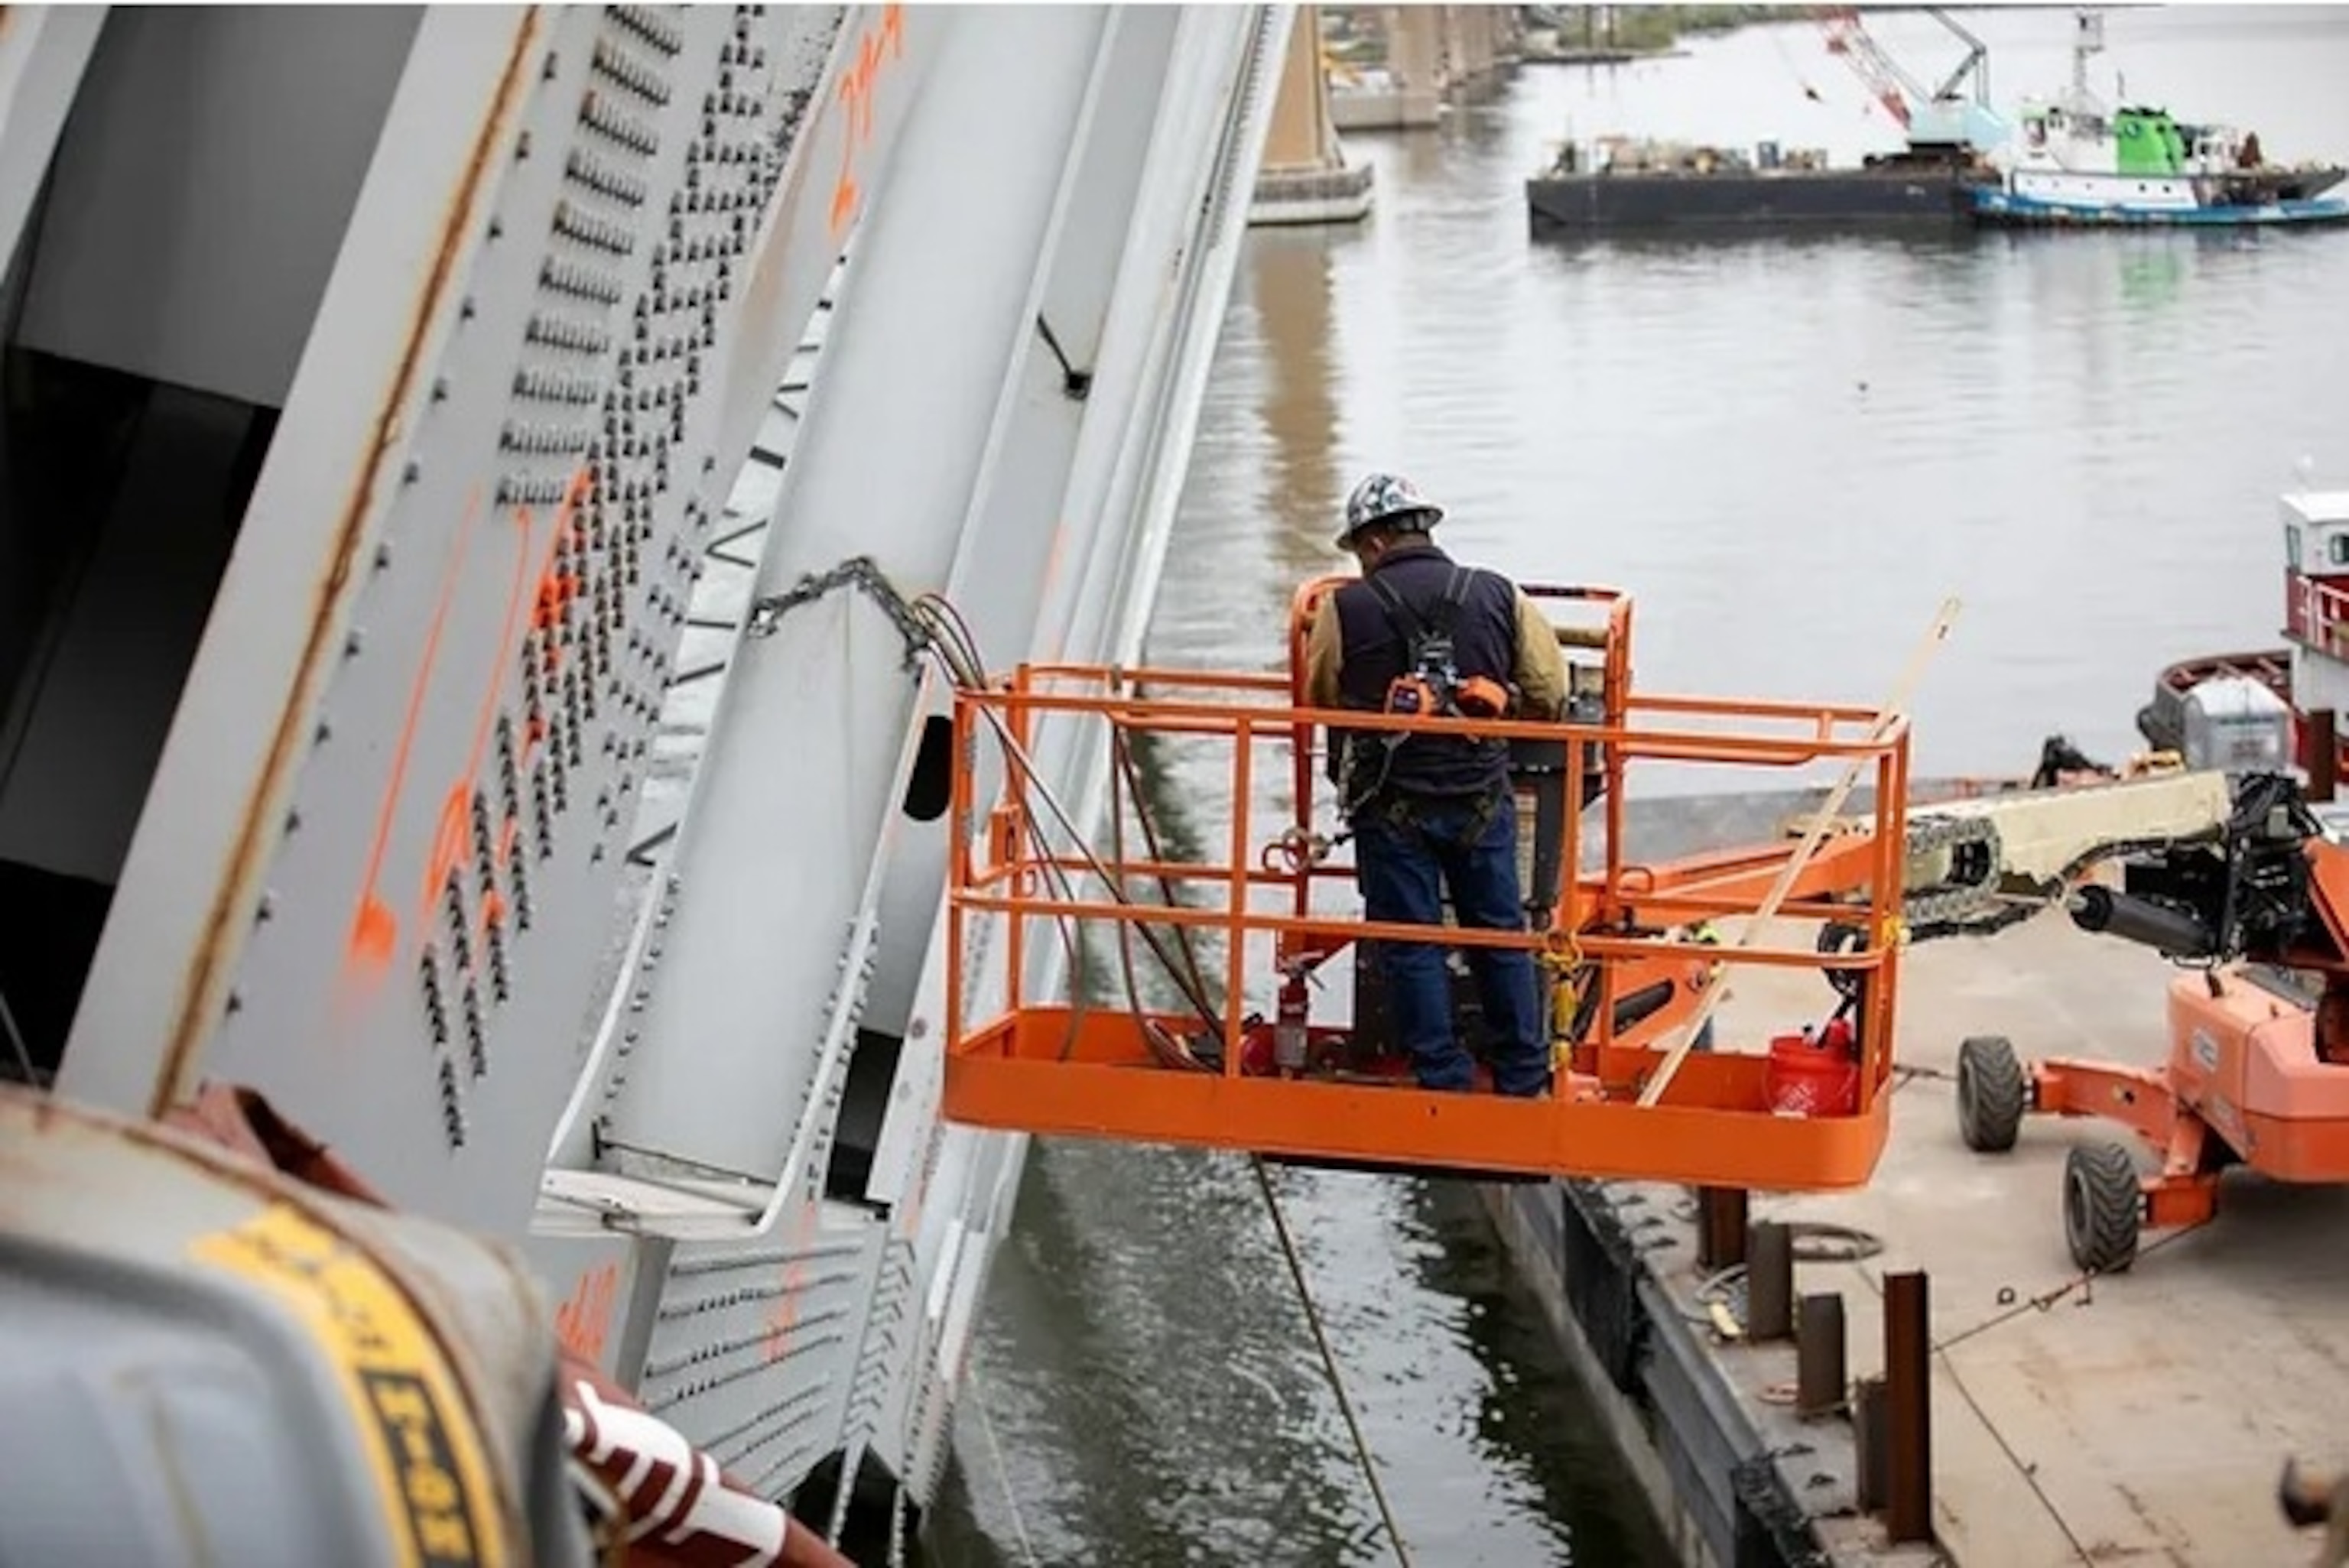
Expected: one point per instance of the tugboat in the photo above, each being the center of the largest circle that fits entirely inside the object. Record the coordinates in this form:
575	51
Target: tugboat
2073	162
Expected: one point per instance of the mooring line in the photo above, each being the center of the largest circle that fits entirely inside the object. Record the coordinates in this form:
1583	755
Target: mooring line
1329	1361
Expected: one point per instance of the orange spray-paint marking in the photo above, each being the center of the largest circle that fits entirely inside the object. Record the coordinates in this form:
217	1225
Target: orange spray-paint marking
583	1322
453	834
375	931
777	1341
374	940
493	910
784	1318
879	46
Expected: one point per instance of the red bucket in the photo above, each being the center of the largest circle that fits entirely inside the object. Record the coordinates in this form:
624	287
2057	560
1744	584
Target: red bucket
1813	1073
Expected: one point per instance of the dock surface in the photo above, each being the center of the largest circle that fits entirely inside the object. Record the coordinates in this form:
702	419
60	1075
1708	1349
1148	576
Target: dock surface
2142	1417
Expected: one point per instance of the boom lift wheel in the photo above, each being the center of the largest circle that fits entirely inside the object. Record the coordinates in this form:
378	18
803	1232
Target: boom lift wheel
1991	1093
2103	1206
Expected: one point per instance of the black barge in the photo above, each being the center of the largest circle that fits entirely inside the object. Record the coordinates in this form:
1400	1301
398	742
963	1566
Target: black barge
1647	190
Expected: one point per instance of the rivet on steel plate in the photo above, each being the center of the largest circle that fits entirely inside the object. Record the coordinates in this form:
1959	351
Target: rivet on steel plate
351	643
411	471
322	734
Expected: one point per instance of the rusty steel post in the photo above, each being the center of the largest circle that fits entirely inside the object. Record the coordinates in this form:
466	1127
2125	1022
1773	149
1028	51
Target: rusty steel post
1867	1409
1908	1378
2323	744
1720	1227
1769	1281
1819	1355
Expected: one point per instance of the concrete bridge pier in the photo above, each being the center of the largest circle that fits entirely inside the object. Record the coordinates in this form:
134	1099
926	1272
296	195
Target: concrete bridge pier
1434	55
1304	176
1475	43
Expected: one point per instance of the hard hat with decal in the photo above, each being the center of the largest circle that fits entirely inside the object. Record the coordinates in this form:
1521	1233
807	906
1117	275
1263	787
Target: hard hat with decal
1386	497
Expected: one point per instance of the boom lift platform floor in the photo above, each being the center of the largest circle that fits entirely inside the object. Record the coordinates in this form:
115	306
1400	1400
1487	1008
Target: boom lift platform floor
1618	942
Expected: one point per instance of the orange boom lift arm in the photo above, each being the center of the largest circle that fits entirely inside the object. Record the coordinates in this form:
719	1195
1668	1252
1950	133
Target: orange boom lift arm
2258	1069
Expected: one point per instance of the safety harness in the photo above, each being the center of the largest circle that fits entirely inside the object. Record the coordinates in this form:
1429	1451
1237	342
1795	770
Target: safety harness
1430	683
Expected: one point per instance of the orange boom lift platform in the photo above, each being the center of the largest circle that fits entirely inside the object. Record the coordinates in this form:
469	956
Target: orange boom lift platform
1631	980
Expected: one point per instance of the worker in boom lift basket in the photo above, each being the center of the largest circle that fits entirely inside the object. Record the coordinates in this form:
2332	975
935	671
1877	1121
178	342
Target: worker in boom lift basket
1423	633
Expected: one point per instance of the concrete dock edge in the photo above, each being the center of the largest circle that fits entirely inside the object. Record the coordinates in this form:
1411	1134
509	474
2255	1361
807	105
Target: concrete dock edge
1710	1475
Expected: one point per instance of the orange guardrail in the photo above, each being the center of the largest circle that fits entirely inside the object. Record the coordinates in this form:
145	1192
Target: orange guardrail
1617	934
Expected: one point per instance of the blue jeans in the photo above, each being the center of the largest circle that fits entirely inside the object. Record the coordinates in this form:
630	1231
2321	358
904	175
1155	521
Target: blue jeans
1397	863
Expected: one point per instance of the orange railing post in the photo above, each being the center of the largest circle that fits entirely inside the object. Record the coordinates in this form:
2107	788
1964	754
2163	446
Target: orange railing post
958	869
1026	876
1236	938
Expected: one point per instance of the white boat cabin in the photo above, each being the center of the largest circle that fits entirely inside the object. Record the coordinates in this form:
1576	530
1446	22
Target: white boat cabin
2316	534
2316	596
2078	137
2071	149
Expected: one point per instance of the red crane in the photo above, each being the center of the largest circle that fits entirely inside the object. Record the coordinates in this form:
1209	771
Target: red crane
1848	37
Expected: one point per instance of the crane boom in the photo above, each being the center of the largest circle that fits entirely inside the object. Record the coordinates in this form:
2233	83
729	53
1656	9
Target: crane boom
1849	38
1900	95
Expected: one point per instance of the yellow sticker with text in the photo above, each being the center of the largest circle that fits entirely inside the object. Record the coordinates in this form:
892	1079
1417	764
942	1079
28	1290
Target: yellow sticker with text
440	1506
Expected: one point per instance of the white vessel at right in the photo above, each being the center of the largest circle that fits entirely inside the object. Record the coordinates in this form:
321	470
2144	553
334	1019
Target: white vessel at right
2073	159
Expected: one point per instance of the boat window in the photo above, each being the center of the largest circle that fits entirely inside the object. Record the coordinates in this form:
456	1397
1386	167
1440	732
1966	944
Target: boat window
2336	548
2292	546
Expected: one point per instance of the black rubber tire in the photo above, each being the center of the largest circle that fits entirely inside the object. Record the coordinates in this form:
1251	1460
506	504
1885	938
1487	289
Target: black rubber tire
1837	938
2103	1207
1993	1093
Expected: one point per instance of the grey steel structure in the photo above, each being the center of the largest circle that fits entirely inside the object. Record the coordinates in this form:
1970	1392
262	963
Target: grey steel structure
457	464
